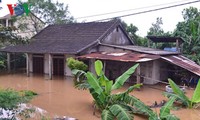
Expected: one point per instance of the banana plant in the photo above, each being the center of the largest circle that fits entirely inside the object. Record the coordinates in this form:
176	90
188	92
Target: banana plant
113	106
181	97
121	105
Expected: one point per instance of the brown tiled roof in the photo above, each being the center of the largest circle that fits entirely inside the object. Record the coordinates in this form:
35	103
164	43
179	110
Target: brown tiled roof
66	38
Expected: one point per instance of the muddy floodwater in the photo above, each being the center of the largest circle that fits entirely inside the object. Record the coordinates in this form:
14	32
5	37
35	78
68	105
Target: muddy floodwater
59	98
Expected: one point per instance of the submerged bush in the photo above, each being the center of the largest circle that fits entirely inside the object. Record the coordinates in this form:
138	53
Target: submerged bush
76	64
11	103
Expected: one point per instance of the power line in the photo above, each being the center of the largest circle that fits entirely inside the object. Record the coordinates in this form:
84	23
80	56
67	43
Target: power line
89	16
147	11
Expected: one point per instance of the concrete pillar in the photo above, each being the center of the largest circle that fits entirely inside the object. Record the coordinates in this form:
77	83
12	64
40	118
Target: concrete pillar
50	66
138	74
8	62
27	65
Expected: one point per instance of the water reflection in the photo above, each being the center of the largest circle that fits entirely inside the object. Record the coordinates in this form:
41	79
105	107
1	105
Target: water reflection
59	97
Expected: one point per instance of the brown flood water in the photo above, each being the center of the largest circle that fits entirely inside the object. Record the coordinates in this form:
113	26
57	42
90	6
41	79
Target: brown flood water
59	97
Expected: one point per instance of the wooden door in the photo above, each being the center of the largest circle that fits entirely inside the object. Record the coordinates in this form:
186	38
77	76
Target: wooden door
58	66
38	65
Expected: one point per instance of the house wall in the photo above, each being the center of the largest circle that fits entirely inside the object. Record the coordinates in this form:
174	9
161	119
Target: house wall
151	72
117	37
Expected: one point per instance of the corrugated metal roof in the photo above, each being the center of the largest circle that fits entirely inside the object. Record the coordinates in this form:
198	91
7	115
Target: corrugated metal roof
183	62
144	50
165	39
121	56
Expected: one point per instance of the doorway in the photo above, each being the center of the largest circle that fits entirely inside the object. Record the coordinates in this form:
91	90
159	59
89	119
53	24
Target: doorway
38	64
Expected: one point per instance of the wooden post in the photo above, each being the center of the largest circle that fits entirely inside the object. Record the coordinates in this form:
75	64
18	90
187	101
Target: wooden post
27	65
104	67
138	75
8	62
50	66
177	45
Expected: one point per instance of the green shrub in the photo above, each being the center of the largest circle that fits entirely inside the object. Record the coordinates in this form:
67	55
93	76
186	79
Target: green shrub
10	99
75	64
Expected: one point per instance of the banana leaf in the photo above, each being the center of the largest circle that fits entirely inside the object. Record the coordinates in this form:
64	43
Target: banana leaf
107	115
96	90
171	117
165	110
108	87
139	106
92	80
178	98
196	95
121	79
98	67
179	93
121	112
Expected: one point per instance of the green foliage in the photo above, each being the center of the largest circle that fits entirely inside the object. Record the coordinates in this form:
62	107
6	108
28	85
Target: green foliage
8	38
78	69
10	99
122	79
181	97
165	110
189	30
75	64
121	112
50	12
196	95
119	106
111	105
156	29
107	115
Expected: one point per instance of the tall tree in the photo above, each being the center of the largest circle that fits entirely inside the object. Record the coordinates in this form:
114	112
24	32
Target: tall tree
132	30
42	12
50	12
156	28
189	30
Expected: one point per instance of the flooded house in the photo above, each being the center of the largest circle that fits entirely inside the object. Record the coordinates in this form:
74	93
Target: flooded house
106	41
